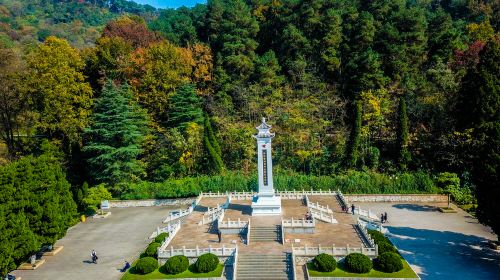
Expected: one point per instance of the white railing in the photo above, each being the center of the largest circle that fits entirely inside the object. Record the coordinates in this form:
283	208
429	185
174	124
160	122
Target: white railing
302	193
168	228
366	213
334	251
211	211
180	213
294	275
243	195
317	206
362	227
176	227
214	215
235	263
322	216
196	252
233	224
283	232
248	232
301	223
342	198
217	194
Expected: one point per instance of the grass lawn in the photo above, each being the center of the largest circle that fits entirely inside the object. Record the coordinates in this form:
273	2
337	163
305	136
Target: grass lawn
406	272
160	274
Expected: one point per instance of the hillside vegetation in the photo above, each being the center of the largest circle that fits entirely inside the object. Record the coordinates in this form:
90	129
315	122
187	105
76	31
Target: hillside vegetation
366	96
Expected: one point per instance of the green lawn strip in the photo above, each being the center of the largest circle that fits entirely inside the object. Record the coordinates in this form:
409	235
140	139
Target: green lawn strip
406	272
159	274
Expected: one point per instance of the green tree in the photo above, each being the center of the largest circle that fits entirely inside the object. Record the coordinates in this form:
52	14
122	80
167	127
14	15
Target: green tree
478	109
115	138
62	99
352	152
94	197
185	107
404	155
212	148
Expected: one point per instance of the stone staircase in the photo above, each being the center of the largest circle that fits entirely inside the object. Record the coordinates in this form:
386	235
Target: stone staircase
264	267
265	234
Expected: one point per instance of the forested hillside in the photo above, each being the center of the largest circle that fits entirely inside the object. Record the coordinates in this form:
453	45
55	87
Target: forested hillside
366	96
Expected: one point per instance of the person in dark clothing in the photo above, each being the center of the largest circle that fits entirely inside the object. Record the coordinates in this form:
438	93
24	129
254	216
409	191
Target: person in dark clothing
385	217
125	267
94	256
382	218
219	234
353	208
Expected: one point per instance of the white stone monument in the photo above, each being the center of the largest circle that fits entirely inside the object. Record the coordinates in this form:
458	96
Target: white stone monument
266	202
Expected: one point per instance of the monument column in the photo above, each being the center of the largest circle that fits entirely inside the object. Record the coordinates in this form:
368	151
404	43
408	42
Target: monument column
265	202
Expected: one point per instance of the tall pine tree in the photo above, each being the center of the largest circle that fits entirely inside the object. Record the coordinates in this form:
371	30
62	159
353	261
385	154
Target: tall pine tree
185	107
115	138
212	148
404	156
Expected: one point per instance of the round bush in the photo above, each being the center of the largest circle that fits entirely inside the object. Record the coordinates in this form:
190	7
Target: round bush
146	265
325	262
358	263
176	264
152	249
161	237
384	247
207	262
388	262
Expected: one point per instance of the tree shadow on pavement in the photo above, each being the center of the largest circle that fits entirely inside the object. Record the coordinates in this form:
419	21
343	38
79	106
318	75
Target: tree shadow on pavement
447	255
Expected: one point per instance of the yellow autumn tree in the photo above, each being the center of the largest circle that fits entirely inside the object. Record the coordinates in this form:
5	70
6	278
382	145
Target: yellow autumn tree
60	96
155	72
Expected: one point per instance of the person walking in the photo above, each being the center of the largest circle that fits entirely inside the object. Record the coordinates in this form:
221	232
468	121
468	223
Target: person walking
94	256
382	218
219	234
385	217
353	208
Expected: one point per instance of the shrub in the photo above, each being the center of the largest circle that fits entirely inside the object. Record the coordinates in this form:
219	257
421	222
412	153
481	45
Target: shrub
386	246
146	265
176	264
388	262
358	263
377	236
152	249
325	262
161	237
207	262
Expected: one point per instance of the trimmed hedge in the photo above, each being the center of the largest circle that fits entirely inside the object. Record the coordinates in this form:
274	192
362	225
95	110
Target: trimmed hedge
146	265
386	247
325	262
368	182
388	262
358	263
152	250
161	237
377	236
176	264
206	263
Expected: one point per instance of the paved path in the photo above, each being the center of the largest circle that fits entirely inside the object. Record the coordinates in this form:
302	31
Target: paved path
122	236
440	246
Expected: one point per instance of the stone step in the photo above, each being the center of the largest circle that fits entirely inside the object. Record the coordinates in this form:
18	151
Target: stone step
272	267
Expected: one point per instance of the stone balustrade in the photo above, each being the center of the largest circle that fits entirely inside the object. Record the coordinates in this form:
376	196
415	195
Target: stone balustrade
298	223
322	216
233	224
317	206
176	227
196	252
307	251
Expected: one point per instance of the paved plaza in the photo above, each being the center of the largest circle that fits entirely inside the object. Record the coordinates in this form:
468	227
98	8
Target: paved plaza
440	246
122	236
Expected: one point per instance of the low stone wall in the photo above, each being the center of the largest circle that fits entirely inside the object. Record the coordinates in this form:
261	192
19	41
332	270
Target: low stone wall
299	230
150	202
242	231
396	198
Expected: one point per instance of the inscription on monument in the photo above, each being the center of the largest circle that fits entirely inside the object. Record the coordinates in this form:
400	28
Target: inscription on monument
264	166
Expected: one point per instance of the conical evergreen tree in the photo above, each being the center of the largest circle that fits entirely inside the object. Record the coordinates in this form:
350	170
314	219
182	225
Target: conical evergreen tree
403	134
185	107
115	138
354	139
212	148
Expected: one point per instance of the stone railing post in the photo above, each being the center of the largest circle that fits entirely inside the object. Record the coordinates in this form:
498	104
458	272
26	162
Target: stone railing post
197	250
347	249
171	251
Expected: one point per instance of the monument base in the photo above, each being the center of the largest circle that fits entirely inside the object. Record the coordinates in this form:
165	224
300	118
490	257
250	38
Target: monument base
266	205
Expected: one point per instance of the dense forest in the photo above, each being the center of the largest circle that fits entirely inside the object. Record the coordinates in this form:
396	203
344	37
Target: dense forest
379	96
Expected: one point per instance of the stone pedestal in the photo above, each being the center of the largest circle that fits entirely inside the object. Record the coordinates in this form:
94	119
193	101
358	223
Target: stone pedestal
266	205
